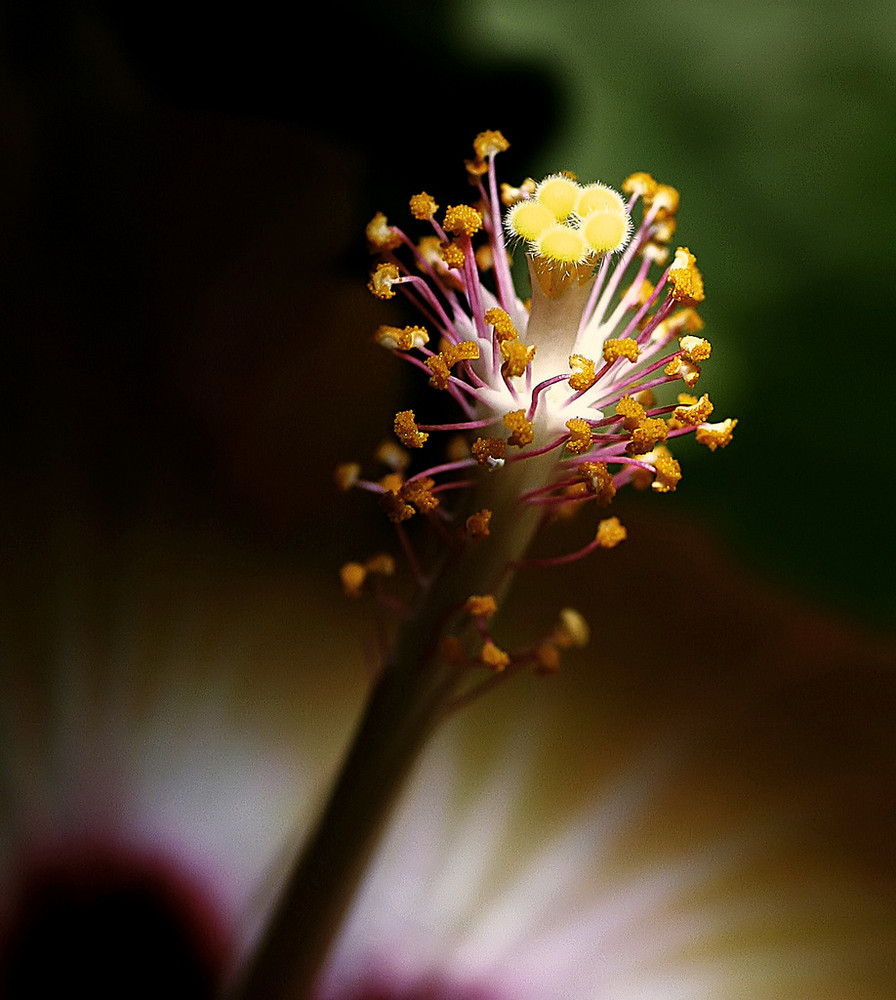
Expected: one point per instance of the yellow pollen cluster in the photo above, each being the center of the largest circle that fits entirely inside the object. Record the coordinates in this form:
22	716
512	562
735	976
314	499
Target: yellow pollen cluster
685	278
580	436
716	435
494	657
517	357
395	338
641	184
645	431
489	450
610	533
453	255
695	349
440	364
347	474
353	575
462	220
693	411
481	606
504	328
685	369
382	280
477	524
668	473
423	206
407	431
419	493
380	235
489	143
521	428
621	348
582	375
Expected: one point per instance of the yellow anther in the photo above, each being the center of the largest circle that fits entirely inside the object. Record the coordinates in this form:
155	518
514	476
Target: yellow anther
561	244
646	435
668	473
580	436
695	349
407	431
631	411
453	255
487	451
716	435
606	230
521	428
481	606
347	474
666	199
441	371
382	280
681	367
392	481
423	206
529	219
599	198
581	372
352	576
419	493
685	278
686	320
477	524
466	350
494	657
621	348
560	193
462	220
391	455
598	481
440	364
504	328
380	235
382	564
510	195
395	338
572	630
610	533
641	184
396	509
694	413
489	143
517	357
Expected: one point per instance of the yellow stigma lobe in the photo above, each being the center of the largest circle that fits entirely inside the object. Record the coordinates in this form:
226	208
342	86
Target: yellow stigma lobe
529	219
606	232
559	193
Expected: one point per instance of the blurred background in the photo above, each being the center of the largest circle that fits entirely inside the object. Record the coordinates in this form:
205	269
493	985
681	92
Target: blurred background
182	205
